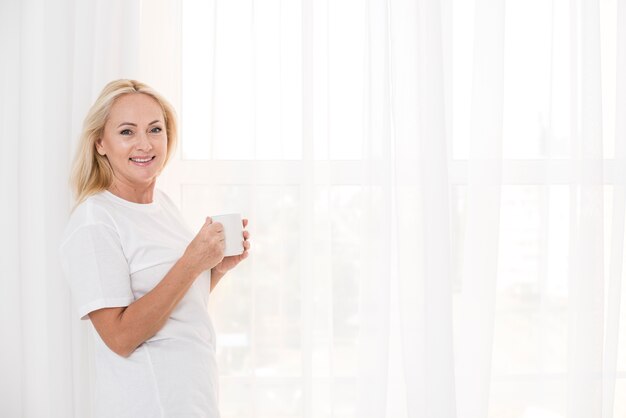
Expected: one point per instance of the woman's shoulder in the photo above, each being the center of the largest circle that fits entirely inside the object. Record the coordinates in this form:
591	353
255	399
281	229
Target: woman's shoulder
93	211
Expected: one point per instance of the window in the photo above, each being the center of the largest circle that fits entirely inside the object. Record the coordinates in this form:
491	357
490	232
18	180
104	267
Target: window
244	149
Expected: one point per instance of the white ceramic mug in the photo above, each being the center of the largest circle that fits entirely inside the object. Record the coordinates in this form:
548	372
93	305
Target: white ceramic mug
233	233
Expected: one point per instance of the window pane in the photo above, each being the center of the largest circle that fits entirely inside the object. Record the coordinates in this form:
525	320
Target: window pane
527	57
197	116
537	100
608	33
278	79
218	69
530	333
346	218
242	80
458	210
462	66
346	52
236	397
528	398
279	400
234	70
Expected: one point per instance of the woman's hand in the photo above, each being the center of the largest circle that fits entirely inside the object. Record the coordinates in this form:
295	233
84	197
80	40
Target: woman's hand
206	250
228	263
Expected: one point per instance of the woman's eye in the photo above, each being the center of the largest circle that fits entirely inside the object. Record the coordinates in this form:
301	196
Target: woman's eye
156	130
126	132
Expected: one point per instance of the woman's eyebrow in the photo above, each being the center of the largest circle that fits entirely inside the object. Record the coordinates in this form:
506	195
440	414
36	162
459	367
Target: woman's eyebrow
134	124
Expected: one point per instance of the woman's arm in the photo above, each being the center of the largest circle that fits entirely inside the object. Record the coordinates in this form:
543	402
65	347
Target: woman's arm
215	277
126	328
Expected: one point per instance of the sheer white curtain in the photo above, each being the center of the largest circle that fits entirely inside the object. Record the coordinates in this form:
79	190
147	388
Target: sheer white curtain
436	199
435	193
56	56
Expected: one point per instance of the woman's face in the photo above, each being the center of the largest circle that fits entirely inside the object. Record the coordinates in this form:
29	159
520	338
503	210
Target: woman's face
135	139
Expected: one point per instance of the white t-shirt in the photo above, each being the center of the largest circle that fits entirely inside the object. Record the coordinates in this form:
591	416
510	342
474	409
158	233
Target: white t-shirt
113	252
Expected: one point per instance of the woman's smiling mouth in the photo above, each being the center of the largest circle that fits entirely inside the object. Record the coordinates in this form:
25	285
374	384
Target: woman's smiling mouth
142	162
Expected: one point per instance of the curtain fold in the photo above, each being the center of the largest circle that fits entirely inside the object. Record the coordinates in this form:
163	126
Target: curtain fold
586	280
375	254
616	265
422	206
11	359
307	214
474	342
56	58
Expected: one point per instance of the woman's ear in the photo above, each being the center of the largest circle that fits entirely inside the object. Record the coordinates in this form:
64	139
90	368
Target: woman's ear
99	147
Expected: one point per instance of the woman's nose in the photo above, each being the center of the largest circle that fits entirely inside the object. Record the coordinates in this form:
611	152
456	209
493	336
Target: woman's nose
143	142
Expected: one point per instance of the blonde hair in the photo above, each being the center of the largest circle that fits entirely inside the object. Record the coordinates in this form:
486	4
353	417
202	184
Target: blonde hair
91	172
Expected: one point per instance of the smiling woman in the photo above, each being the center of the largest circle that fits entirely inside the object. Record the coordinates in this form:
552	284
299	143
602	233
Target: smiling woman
135	270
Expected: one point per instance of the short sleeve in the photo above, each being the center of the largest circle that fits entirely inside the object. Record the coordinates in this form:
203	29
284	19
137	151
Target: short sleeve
96	269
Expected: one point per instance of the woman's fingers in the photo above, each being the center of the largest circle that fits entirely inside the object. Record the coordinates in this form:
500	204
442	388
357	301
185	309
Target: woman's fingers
245	222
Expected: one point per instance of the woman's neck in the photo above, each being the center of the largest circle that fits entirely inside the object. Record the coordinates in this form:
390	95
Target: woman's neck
133	193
